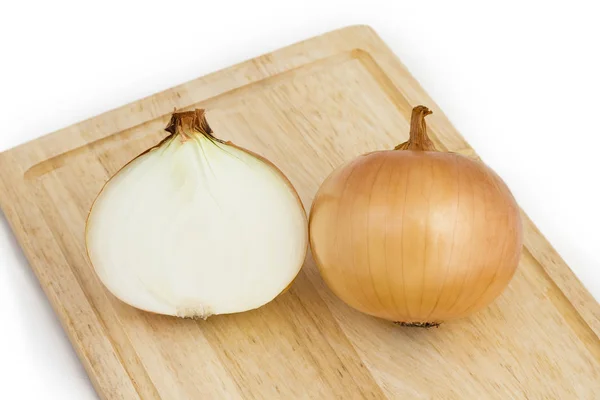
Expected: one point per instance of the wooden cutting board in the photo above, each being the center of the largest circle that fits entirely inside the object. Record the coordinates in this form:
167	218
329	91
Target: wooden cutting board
308	108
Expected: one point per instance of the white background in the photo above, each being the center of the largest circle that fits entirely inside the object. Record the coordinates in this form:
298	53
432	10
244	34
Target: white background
519	79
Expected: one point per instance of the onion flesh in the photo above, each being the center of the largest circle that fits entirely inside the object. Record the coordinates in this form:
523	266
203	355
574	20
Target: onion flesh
196	227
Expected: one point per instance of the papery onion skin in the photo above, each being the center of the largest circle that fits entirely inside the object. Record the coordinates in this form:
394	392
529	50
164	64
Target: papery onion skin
187	127
414	235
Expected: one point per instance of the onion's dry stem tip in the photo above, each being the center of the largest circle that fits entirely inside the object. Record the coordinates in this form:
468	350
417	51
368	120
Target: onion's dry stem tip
185	123
419	324
418	140
421	110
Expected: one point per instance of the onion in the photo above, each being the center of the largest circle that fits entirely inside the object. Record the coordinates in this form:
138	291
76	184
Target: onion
196	226
414	235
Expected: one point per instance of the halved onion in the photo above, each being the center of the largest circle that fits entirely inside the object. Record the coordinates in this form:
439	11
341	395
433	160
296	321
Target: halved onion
196	226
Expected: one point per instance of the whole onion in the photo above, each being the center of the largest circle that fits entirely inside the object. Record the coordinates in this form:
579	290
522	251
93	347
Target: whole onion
415	235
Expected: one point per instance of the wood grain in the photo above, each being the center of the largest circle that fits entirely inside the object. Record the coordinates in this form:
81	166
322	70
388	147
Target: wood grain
308	108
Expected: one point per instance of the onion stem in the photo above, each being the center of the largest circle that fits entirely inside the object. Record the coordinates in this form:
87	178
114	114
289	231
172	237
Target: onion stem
188	123
418	140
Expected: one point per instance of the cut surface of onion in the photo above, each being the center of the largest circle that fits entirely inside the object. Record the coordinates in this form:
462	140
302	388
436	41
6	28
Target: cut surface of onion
196	227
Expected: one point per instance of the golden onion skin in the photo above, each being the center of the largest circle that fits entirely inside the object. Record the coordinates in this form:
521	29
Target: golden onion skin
415	236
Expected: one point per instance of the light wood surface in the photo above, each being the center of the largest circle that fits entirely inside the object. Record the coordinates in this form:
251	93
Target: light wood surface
308	108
